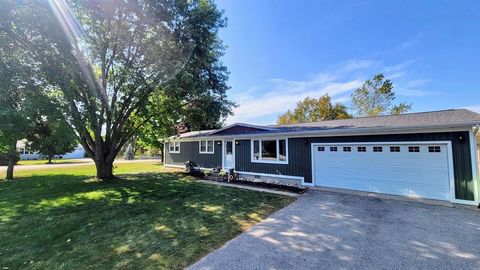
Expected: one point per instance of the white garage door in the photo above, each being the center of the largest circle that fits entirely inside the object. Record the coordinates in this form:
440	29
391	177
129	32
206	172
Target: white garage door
418	170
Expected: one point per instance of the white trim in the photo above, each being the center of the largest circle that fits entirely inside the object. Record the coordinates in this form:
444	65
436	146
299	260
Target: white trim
459	201
173	165
277	161
273	175
174	145
224	149
473	153
451	175
206	147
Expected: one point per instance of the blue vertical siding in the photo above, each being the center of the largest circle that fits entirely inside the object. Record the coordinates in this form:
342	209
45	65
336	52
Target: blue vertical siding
300	163
190	151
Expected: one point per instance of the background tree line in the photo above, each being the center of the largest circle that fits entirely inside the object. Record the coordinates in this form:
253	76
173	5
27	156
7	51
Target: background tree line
375	97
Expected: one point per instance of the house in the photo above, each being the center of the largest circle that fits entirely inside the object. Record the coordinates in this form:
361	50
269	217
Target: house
27	154
426	155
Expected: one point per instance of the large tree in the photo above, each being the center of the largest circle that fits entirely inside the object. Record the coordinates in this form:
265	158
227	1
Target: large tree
107	58
376	97
313	110
18	92
203	82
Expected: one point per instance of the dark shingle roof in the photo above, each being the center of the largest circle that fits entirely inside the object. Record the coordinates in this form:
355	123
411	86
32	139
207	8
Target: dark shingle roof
399	120
445	118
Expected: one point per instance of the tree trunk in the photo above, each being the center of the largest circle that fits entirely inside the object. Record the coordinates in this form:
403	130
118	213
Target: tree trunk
12	156
49	159
104	169
11	165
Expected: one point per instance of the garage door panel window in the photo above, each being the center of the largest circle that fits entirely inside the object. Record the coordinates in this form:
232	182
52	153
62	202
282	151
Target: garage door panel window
377	149
270	151
394	148
333	149
347	149
361	149
414	149
434	149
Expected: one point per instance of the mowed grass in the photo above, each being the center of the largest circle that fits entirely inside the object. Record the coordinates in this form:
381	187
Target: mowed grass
150	218
55	161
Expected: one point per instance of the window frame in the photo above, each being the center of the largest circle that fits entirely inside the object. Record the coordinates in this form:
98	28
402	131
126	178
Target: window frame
206	147
174	151
394	148
377	149
277	142
434	148
412	148
364	149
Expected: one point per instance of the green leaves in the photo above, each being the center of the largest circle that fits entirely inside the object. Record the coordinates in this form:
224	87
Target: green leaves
314	110
376	97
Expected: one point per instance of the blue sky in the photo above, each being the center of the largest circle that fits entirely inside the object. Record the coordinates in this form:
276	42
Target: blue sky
279	52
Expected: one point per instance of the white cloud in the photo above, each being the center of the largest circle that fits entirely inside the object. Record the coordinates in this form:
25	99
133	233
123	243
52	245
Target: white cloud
410	42
262	104
356	64
284	95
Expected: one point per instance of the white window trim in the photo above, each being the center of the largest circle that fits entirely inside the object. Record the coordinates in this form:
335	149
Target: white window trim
260	160
174	144
206	147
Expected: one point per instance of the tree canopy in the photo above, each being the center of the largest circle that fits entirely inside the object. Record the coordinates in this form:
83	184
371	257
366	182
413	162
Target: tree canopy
313	110
111	59
376	97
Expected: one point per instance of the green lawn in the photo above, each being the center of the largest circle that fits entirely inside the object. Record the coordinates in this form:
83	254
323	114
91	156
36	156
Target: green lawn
56	161
151	218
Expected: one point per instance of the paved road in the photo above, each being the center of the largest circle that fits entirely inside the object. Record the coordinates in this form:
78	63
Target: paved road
63	165
325	230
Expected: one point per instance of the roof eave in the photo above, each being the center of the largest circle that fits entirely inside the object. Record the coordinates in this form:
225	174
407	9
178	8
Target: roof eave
347	132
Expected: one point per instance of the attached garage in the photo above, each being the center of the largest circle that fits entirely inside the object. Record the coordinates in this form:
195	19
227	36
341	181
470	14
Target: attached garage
416	169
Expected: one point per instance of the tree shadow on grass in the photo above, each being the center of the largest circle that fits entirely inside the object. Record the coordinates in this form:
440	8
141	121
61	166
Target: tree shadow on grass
138	221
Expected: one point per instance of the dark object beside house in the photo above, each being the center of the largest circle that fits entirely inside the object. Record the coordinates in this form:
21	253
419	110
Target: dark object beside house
192	169
422	155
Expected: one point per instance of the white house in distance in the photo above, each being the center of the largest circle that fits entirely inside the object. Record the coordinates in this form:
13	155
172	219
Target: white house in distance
27	154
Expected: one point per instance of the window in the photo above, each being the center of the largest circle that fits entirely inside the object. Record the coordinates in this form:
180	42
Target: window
333	149
321	148
229	147
362	149
347	149
414	149
434	149
174	147
394	148
377	149
206	147
282	150
270	151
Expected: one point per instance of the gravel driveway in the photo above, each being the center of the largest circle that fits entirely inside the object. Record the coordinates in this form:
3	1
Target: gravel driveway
325	230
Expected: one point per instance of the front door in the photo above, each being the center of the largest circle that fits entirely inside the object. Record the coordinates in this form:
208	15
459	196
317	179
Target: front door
228	155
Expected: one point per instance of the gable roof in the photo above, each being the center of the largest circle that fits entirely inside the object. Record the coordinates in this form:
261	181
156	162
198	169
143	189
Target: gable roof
454	118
